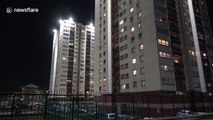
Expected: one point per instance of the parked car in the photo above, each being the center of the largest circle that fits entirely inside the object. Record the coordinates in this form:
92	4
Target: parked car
110	116
125	117
185	113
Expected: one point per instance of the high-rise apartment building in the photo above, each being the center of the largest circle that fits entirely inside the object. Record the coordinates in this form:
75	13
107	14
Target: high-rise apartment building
72	66
156	46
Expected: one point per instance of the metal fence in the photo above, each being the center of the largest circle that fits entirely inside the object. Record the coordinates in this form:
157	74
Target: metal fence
80	107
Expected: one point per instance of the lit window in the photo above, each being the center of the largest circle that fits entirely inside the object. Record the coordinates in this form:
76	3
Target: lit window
164	55
104	88
139	25
163	42
121	5
132	29
205	55
123	86
121	22
131	10
104	14
141	46
166	68
139	14
104	79
212	64
176	59
192	53
134	61
122	30
134	72
64	58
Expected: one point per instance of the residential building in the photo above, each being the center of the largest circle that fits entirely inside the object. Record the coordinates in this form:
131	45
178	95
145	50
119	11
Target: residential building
72	59
153	46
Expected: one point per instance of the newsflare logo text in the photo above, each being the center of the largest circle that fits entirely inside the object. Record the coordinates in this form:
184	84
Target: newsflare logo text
21	10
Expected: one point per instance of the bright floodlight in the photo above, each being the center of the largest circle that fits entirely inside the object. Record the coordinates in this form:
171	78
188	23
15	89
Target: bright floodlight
54	30
71	19
60	21
91	25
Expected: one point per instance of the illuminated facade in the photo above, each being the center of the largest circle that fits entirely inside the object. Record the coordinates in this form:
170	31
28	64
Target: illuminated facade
160	46
72	59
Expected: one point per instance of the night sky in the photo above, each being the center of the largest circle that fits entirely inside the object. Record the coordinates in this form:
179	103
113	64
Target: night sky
26	38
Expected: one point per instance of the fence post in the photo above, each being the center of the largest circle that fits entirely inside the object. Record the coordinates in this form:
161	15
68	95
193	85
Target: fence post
211	103
73	97
142	108
184	107
45	103
77	100
161	105
133	105
173	104
203	103
148	106
12	107
96	109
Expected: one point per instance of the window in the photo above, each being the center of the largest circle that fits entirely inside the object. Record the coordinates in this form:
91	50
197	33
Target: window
166	68
204	55
134	72
131	10
122	30
140	36
121	22
141	46
134	61
164	55
162	19
163	42
131	19
132	29
206	64
139	14
176	59
134	83
132	39
104	88
192	53
142	83
125	86
127	75
139	25
126	65
104	53
133	50
167	81
142	70
141	58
